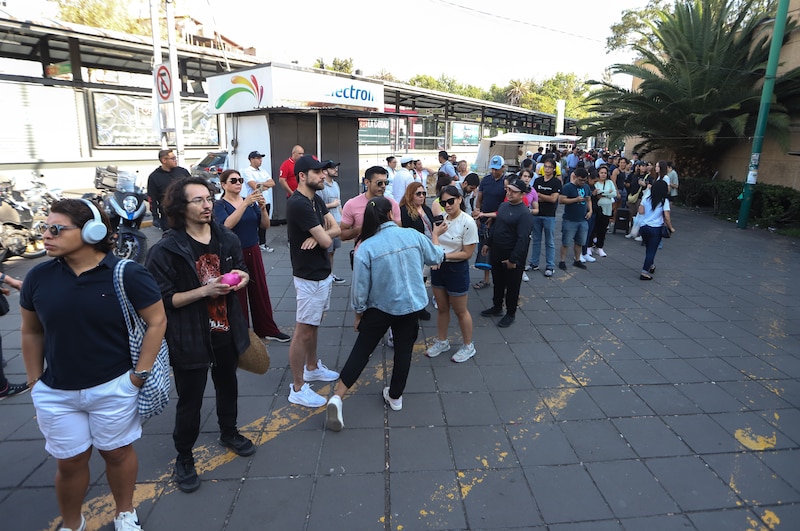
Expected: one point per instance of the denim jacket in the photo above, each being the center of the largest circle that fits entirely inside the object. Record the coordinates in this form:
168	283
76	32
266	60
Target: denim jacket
387	270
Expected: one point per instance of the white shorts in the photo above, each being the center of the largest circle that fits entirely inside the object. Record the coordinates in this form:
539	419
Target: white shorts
105	416
313	299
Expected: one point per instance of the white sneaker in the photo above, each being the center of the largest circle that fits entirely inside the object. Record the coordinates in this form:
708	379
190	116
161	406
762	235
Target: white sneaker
390	339
127	522
320	374
82	527
637	239
525	277
601	253
335	422
588	251
394	403
629	235
438	347
306	397
266	248
548	272
588	258
583	259
435	304
464	353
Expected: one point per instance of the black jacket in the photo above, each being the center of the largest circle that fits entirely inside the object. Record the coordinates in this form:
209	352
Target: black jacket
188	334
407	222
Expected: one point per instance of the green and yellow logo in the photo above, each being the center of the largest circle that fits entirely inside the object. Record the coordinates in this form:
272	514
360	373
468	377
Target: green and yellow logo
242	84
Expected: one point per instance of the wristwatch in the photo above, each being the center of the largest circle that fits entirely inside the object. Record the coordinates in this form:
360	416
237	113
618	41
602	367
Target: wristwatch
142	375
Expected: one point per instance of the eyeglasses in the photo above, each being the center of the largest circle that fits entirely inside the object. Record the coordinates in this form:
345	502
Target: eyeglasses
55	230
448	202
421	193
198	201
381	183
236	180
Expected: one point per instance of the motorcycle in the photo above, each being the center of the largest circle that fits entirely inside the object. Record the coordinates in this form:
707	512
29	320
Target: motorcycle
20	230
39	197
125	203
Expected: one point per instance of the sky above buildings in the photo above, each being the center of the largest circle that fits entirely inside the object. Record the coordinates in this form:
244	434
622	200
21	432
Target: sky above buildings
479	42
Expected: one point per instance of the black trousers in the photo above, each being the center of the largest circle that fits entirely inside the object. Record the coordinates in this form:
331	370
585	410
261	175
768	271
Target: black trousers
506	281
191	384
374	323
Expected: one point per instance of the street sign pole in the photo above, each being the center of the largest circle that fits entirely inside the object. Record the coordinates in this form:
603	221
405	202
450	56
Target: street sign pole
763	111
176	82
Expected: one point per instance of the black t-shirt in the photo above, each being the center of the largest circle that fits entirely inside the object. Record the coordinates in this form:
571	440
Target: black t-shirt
302	215
207	265
85	337
542	187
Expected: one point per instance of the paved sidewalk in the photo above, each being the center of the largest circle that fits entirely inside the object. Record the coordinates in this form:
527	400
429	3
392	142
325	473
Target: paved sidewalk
610	404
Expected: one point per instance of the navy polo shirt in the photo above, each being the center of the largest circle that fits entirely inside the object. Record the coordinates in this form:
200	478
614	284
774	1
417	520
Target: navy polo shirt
494	193
85	337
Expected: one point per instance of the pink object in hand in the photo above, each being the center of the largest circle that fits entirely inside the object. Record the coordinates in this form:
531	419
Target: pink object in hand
231	279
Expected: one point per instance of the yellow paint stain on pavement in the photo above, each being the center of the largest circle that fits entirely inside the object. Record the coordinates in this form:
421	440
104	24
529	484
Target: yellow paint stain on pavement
770	521
752	441
558	399
570	379
467	484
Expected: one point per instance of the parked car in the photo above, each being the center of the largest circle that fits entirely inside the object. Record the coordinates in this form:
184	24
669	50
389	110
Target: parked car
211	167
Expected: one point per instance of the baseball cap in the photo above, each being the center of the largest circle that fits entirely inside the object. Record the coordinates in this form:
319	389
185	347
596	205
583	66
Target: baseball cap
518	185
255	155
307	162
528	153
330	164
406	159
497	162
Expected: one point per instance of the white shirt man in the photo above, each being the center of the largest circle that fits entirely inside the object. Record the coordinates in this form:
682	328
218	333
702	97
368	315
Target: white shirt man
255	175
402	178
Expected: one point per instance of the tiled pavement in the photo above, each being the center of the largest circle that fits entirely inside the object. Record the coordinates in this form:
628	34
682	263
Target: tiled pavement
610	404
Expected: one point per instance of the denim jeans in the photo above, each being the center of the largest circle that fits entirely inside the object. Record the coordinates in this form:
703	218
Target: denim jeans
651	236
547	225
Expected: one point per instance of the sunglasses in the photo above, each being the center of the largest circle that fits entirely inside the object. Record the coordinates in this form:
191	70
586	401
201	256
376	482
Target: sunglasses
55	230
448	202
236	180
421	194
381	183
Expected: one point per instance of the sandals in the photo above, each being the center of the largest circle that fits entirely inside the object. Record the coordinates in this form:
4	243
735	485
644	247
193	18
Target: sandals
645	277
481	285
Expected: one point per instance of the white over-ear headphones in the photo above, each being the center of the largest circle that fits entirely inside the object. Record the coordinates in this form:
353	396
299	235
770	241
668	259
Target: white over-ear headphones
94	230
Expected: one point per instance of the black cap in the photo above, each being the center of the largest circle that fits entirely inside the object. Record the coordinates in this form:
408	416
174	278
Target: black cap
519	184
255	155
307	162
329	164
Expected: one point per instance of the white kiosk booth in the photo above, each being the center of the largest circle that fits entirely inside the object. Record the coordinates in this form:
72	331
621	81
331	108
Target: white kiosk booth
273	107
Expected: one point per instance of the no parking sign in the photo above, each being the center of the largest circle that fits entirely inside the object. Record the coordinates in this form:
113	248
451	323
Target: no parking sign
163	81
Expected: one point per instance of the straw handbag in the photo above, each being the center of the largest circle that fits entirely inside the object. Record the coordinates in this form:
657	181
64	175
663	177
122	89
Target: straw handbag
255	358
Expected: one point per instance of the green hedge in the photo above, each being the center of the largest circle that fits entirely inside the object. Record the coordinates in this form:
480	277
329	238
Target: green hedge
773	206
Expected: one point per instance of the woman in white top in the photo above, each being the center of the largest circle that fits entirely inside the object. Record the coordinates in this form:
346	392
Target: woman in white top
607	194
450	281
655	209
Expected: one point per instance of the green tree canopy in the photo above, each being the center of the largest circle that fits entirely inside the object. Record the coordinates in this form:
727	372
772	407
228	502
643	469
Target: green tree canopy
106	14
701	94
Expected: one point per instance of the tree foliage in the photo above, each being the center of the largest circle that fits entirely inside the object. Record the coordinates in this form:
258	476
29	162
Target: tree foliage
106	14
633	28
701	94
337	65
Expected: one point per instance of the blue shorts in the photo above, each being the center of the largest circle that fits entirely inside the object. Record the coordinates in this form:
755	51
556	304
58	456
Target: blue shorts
453	277
574	232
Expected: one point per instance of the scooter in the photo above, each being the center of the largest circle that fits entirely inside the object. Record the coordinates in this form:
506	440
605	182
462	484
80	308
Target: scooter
125	203
20	232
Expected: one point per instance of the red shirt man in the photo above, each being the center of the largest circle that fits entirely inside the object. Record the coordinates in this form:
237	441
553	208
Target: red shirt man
286	176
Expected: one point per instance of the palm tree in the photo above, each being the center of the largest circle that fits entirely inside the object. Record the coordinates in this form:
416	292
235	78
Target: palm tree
516	90
701	94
